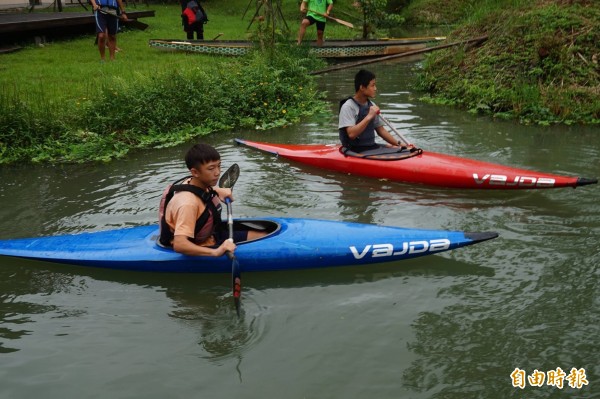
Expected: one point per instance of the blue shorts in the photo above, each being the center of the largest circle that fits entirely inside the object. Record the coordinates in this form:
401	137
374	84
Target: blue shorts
320	25
106	22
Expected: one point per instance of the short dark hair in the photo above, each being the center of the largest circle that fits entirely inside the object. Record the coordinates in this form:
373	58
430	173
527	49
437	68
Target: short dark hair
200	154
363	78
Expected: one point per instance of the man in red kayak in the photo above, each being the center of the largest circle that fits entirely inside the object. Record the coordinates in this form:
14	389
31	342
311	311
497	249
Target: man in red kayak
359	119
190	209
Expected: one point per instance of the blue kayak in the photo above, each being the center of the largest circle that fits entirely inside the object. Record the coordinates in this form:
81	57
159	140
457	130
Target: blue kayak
290	244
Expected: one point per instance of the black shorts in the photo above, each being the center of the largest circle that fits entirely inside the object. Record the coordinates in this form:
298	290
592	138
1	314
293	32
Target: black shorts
222	234
320	25
105	22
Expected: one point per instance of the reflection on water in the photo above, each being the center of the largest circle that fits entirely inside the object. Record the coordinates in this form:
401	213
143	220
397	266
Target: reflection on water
201	303
210	313
540	324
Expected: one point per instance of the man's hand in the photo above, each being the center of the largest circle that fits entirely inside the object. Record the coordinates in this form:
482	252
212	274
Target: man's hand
373	111
228	245
224	193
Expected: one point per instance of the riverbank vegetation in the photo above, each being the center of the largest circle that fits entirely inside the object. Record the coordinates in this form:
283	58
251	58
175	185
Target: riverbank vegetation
58	103
540	64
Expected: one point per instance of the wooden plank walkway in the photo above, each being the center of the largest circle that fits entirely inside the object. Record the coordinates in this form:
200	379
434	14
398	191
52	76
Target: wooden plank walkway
24	23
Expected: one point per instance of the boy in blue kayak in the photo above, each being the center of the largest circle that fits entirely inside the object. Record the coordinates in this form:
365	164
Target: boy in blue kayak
359	119
190	209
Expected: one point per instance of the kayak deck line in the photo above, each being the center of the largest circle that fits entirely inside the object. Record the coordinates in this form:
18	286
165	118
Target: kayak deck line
292	243
425	167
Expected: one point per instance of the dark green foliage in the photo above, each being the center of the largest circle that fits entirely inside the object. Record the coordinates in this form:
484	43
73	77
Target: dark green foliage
540	64
163	110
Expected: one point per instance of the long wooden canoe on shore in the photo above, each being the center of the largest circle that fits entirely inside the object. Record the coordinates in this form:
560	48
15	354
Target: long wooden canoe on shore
330	49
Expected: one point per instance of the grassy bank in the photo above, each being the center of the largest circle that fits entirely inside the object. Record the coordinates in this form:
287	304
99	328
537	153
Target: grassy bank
541	63
59	103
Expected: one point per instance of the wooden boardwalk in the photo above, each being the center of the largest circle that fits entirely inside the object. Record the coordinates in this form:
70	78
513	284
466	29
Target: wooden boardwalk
24	24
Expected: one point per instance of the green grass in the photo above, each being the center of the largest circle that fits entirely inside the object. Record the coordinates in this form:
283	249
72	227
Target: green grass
75	63
58	103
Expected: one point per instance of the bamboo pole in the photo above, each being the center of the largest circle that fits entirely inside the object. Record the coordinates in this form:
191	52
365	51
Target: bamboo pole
345	65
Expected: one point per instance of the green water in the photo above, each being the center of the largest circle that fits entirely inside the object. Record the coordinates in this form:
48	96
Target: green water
454	325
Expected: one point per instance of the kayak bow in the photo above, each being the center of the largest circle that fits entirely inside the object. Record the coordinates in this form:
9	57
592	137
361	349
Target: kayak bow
427	167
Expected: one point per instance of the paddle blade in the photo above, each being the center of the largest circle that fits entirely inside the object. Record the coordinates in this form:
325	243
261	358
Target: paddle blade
236	285
342	22
230	176
339	21
136	24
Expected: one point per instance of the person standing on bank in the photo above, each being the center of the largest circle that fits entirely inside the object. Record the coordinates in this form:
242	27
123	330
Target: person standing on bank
359	117
193	18
107	14
312	9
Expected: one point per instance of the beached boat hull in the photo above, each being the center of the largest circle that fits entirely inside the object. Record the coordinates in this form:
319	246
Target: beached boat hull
331	48
428	168
291	244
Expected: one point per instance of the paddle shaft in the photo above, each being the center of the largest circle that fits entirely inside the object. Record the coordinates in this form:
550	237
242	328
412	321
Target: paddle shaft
113	14
236	275
229	217
339	21
130	22
228	180
394	129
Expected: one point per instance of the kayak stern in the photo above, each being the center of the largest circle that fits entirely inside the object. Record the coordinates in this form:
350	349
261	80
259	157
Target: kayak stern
583	181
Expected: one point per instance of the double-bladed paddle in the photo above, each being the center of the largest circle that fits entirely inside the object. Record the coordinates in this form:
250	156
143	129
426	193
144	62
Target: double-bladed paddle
132	22
227	180
393	129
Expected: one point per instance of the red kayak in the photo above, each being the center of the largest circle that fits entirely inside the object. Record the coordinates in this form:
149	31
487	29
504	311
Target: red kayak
421	167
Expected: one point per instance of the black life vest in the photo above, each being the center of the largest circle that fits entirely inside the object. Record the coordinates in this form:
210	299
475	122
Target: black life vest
207	197
366	139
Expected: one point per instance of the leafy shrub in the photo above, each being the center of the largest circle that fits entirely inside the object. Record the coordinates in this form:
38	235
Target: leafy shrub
169	108
548	75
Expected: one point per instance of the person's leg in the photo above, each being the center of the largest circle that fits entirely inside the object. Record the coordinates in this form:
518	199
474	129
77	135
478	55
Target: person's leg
320	32
111	33
255	234
102	45
112	45
303	25
101	33
222	234
319	38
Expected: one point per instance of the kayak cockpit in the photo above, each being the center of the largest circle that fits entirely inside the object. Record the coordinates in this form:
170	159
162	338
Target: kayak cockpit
268	226
383	153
